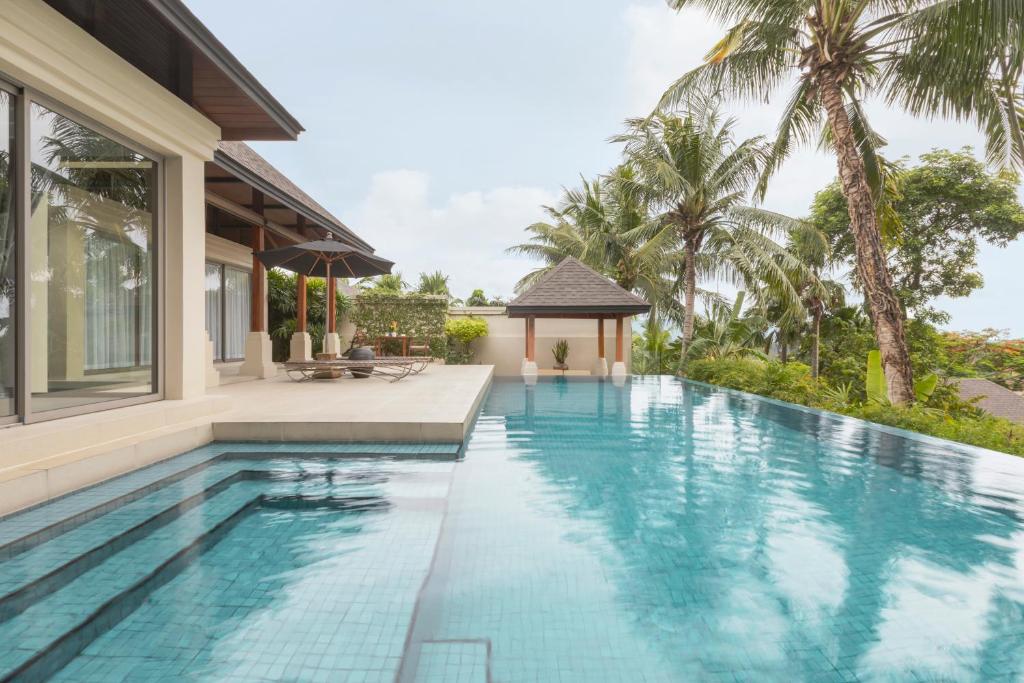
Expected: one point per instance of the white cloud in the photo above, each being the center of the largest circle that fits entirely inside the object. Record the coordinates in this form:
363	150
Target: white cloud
464	235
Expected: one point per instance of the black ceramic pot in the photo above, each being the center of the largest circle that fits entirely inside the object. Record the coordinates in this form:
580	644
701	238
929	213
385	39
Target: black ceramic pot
361	353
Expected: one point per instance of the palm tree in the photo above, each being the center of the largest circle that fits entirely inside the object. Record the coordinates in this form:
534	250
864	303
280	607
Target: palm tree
436	284
384	284
727	332
606	225
696	179
922	54
477	298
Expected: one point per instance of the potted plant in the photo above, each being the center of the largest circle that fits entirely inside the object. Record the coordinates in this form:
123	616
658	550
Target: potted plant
561	352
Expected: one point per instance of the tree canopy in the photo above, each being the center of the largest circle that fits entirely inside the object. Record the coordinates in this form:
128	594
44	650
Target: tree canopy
944	207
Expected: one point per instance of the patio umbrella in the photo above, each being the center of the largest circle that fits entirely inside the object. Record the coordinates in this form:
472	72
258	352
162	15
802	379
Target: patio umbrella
325	258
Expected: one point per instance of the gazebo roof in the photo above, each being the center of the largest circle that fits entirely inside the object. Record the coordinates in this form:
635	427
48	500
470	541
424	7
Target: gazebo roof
571	289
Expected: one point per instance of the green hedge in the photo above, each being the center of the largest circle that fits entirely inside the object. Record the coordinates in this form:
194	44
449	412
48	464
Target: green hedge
943	416
421	316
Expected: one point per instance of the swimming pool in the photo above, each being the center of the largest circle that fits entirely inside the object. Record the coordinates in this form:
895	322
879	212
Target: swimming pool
659	531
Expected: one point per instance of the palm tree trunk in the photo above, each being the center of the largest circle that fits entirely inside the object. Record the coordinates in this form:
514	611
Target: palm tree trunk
783	351
689	295
815	340
871	263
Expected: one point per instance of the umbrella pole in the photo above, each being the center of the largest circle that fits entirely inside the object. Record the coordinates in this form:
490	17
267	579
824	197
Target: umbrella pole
330	309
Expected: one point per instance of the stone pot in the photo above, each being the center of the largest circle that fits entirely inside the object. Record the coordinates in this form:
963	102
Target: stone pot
361	353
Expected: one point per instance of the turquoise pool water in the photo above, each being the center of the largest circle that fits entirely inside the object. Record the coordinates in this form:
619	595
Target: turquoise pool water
659	531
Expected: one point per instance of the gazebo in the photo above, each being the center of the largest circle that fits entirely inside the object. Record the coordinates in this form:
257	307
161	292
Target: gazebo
572	290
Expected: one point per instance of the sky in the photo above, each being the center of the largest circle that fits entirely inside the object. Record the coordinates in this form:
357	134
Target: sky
438	130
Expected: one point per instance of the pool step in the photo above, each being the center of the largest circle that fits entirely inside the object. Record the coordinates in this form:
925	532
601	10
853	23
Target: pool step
49	633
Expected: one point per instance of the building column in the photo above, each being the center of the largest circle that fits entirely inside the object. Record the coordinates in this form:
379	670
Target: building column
332	342
301	345
600	367
259	351
184	279
529	367
619	368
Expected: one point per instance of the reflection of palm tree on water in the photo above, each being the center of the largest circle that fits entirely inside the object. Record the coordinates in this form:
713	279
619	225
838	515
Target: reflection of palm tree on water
707	501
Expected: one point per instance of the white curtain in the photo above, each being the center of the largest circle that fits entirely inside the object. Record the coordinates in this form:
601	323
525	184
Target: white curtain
237	311
215	308
118	304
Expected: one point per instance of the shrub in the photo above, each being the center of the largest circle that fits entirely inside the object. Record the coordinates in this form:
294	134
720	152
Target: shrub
944	415
462	332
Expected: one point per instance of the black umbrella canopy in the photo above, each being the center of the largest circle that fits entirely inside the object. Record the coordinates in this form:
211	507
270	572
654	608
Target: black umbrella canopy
325	258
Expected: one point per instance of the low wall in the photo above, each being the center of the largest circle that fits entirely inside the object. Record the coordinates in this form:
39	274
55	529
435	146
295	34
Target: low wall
505	344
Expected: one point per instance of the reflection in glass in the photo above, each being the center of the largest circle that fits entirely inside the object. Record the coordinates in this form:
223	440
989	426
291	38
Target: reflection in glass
215	309
7	256
92	266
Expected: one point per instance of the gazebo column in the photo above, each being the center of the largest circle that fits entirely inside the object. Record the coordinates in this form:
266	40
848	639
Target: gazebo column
301	345
529	369
600	368
619	368
332	342
259	352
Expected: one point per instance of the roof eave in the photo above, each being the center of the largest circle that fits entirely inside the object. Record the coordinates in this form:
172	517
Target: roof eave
336	228
188	25
523	311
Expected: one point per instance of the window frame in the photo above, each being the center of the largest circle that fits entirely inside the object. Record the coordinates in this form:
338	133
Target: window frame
23	98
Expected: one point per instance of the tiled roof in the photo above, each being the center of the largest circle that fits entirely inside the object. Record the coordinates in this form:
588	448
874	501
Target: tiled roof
246	157
996	400
573	287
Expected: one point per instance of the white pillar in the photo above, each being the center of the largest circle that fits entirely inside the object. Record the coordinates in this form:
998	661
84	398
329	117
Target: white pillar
619	369
332	344
301	348
212	374
528	368
185	278
599	368
259	356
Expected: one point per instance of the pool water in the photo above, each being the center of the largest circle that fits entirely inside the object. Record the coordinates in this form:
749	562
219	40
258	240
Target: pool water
657	531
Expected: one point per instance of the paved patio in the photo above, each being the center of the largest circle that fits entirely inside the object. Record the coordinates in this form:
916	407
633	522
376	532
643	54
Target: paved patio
49	459
436	405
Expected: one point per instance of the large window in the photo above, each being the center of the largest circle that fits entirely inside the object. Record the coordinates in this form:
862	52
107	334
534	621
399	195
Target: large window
92	259
228	309
8	274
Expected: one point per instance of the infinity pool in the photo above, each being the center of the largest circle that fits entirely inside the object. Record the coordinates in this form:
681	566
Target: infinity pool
659	531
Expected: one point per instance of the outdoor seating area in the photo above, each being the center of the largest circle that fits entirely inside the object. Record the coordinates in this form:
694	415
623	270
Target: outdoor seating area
391	369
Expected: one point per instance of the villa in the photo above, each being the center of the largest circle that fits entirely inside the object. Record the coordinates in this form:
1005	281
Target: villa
173	506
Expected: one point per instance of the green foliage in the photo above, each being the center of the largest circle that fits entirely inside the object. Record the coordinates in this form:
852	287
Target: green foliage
727	332
281	310
421	316
988	354
462	332
477	298
434	283
942	416
653	354
384	284
874	382
560	351
945	206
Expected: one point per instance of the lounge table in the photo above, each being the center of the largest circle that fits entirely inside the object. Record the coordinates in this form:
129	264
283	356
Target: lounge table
390	369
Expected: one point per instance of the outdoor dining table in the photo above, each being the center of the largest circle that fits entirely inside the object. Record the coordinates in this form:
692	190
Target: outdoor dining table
378	346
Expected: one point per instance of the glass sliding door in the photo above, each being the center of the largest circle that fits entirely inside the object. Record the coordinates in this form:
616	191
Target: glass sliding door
228	310
8	274
237	311
92	256
215	308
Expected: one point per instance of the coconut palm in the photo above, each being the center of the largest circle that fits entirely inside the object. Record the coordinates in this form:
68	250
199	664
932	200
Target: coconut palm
606	225
384	284
922	54
697	179
727	332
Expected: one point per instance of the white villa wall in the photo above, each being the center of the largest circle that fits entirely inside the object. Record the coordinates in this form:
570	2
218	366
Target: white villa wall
52	57
63	66
505	344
